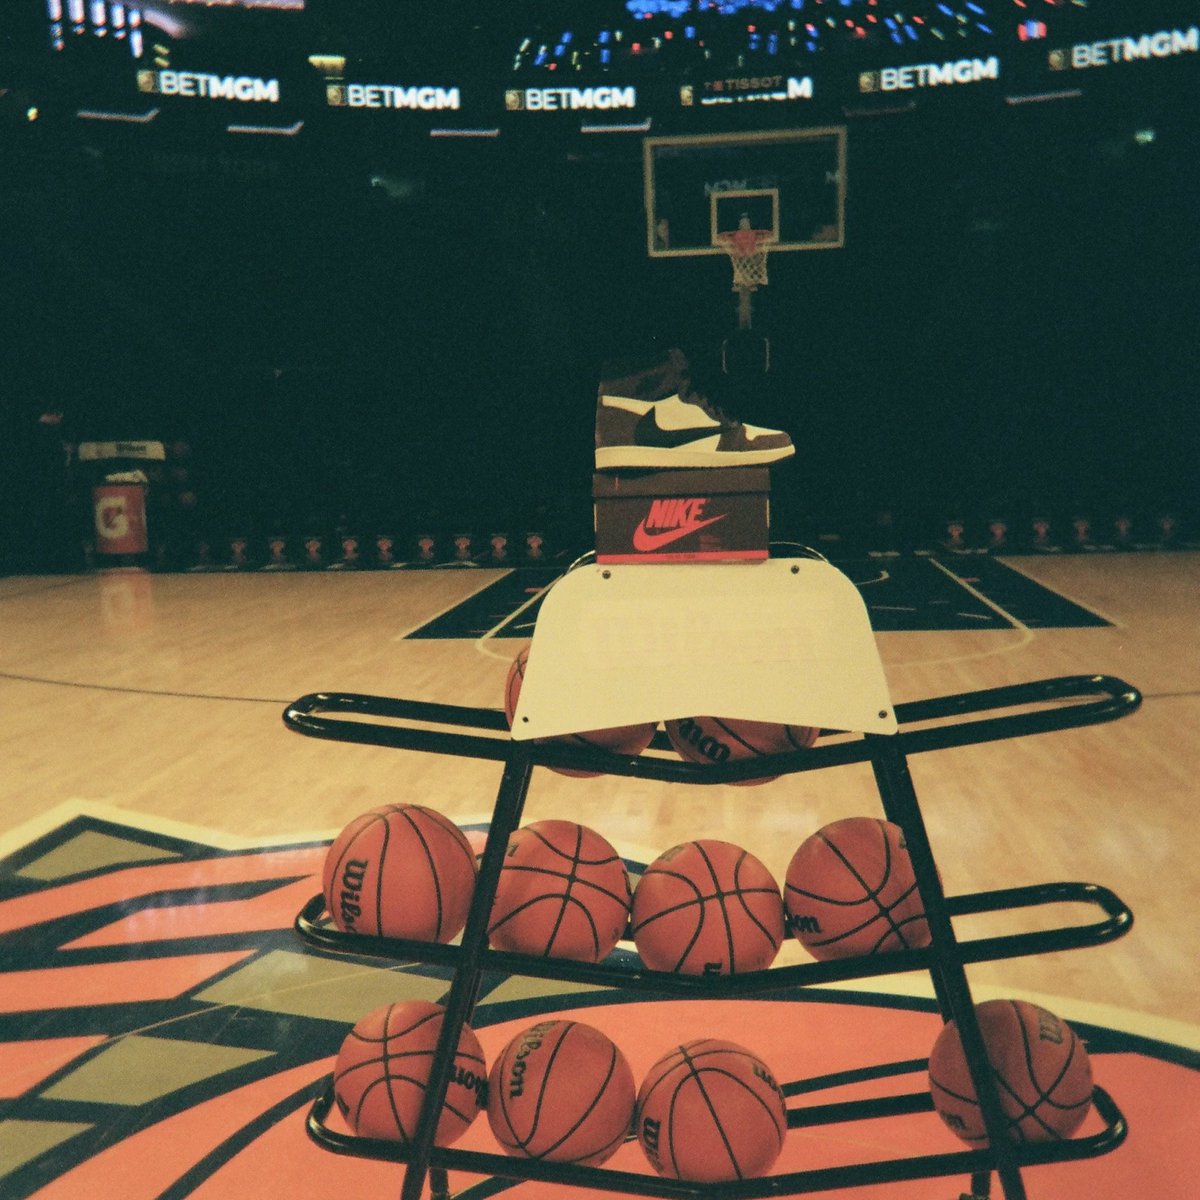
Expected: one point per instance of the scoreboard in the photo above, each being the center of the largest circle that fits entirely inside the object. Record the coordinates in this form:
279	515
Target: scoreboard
483	68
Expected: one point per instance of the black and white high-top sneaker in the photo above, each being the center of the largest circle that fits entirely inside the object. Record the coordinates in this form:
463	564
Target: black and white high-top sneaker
648	416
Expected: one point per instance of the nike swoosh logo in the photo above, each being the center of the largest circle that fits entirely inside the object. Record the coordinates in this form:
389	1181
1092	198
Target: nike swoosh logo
655	541
649	433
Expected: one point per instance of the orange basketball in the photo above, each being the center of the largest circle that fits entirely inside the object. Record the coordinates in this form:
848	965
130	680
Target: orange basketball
623	739
850	890
400	871
563	893
384	1064
723	740
707	908
1042	1073
563	1092
711	1112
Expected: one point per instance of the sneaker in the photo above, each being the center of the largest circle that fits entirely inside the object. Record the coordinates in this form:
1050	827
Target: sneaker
650	417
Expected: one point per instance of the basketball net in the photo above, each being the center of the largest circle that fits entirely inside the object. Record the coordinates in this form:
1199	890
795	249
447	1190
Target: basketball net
747	250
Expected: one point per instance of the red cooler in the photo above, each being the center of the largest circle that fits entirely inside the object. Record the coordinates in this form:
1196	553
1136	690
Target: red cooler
120	477
120	517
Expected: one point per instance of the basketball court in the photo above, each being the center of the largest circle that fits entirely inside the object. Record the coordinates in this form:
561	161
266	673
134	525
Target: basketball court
309	303
153	873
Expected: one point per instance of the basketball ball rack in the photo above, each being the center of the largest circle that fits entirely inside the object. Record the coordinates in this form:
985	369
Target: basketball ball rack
592	616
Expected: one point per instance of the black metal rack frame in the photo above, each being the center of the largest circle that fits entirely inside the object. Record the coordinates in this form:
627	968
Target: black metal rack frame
934	724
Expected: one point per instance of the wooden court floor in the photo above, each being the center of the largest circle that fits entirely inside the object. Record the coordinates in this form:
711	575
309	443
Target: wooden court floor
158	697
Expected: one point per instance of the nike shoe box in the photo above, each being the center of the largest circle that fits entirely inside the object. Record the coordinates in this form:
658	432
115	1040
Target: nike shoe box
711	515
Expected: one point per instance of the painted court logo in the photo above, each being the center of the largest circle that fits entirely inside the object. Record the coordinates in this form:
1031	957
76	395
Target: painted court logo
670	521
163	1032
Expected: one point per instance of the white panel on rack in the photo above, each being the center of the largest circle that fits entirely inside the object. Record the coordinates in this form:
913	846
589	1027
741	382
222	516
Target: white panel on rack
785	640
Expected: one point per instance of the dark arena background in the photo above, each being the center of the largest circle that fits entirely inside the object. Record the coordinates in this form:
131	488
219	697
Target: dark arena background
356	264
304	300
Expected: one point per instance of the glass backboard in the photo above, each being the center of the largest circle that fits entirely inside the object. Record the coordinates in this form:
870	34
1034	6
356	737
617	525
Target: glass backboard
791	183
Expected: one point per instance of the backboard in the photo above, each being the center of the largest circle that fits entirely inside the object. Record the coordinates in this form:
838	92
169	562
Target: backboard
789	183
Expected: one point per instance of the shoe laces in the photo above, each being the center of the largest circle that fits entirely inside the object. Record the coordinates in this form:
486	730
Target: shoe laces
699	399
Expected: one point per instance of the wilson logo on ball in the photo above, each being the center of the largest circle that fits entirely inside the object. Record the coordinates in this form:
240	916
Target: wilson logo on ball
799	925
354	875
474	1082
649	1135
705	743
531	1040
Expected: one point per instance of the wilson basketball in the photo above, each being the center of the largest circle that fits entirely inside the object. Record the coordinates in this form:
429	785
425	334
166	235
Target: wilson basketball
561	1091
710	1111
622	739
850	890
384	1065
707	908
1042	1072
563	893
723	740
400	871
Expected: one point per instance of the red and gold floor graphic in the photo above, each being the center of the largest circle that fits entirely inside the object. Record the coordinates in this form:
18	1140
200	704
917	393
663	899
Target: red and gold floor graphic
163	1032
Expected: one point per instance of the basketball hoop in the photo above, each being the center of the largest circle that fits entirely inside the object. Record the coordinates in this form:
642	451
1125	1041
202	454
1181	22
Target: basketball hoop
747	250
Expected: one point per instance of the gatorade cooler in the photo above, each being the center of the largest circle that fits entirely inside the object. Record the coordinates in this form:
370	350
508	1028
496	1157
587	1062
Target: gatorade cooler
121	476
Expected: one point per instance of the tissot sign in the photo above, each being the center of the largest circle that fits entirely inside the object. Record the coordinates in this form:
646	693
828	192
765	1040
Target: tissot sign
747	89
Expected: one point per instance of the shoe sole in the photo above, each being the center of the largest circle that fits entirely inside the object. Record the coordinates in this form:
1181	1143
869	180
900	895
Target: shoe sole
616	457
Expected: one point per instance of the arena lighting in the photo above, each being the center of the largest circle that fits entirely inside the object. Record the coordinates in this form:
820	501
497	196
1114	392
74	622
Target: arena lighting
1042	97
641	127
91	114
267	130
330	64
890	111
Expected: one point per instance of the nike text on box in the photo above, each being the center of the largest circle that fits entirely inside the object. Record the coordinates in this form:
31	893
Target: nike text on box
682	516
